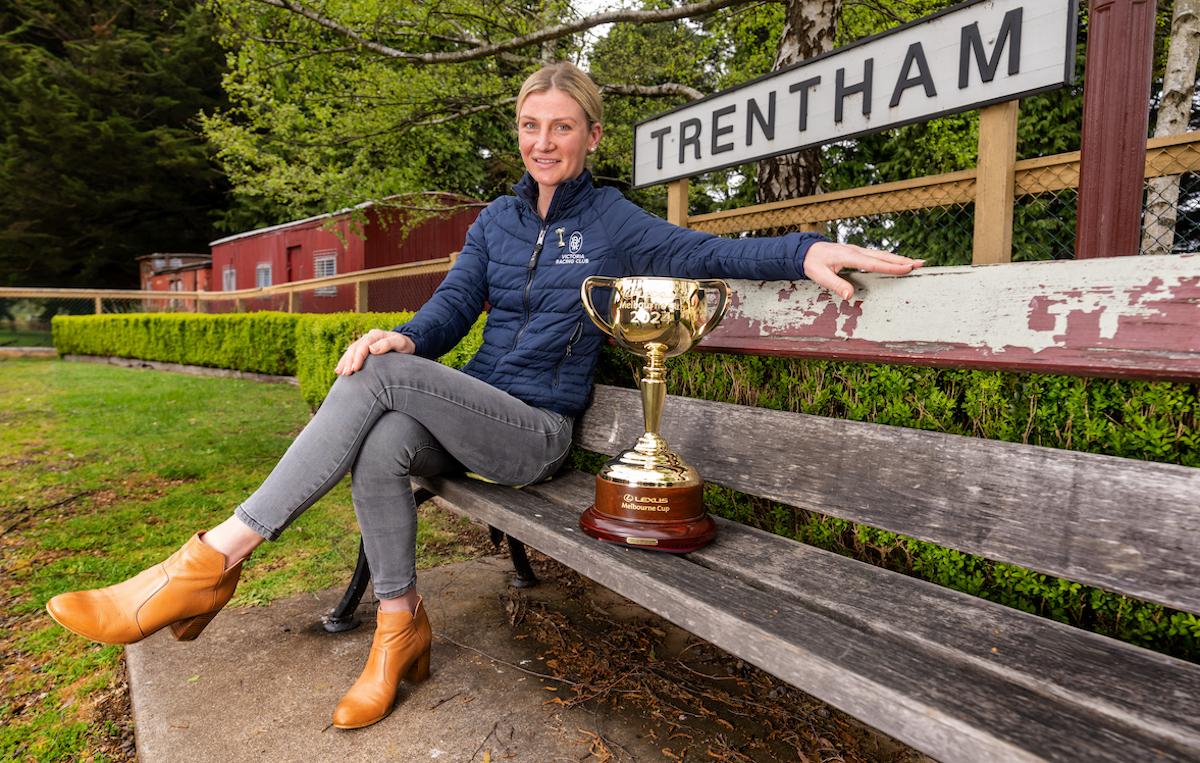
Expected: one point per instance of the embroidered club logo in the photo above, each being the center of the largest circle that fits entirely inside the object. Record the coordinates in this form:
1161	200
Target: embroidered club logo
574	253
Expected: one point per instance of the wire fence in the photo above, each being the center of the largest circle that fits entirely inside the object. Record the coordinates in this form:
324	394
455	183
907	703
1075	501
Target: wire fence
26	315
934	218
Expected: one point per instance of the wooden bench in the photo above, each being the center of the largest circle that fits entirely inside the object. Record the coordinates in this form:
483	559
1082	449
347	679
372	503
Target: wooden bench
955	676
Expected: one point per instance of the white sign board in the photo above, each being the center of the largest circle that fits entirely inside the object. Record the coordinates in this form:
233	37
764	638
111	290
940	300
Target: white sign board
972	55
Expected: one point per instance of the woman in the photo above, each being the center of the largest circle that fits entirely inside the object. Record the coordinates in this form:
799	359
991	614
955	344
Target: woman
396	412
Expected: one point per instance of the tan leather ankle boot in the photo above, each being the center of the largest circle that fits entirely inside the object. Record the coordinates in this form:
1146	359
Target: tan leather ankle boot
400	648
185	592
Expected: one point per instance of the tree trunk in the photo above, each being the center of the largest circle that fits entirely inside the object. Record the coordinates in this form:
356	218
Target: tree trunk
1174	113
808	31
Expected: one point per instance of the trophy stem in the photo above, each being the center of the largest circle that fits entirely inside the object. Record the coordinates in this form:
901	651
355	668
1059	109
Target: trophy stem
654	395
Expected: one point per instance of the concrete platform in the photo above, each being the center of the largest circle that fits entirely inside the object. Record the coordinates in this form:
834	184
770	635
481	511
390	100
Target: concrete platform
261	684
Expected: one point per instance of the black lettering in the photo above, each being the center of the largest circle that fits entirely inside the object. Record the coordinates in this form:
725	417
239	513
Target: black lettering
864	87
686	140
972	41
753	114
804	87
659	135
718	131
916	54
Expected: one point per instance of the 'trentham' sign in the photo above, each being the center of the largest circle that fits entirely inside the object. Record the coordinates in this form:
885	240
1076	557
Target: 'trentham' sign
972	55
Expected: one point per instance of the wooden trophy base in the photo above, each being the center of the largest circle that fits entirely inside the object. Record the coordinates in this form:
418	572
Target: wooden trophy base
668	519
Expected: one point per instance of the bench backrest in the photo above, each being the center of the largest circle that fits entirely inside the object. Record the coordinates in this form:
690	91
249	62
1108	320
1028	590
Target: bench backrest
1120	524
1125	317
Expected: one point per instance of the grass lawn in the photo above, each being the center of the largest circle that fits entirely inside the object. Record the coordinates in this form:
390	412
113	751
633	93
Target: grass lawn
105	471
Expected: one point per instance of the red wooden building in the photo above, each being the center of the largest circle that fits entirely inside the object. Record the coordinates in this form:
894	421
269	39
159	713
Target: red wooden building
329	245
174	272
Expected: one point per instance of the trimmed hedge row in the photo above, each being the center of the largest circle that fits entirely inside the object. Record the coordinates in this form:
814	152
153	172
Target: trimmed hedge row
321	340
263	343
305	346
1153	421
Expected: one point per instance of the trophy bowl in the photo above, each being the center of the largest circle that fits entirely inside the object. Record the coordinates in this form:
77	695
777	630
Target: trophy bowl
648	496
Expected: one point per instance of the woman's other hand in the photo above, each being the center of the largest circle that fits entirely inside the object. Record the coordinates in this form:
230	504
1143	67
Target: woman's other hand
375	342
826	259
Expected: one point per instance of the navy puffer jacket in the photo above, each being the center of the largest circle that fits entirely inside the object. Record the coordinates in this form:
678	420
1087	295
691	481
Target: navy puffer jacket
538	343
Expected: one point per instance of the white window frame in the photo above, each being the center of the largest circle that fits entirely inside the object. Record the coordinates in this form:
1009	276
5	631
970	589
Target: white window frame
229	278
325	266
262	281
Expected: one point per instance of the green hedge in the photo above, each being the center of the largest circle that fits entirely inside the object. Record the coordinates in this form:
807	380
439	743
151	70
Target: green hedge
1152	421
305	346
321	340
1144	420
263	343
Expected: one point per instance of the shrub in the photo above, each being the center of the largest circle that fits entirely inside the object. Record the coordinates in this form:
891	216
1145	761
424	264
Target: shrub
262	343
306	346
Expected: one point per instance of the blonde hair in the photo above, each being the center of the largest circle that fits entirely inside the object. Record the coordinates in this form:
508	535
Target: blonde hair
570	79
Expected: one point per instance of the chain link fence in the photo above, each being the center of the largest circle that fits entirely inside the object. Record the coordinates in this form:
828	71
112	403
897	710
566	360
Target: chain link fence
934	218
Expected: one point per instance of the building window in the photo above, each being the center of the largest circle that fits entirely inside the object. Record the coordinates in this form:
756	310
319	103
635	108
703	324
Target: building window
229	279
262	275
324	266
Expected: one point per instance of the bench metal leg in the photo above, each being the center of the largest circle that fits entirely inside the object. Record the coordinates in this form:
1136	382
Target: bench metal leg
342	618
525	578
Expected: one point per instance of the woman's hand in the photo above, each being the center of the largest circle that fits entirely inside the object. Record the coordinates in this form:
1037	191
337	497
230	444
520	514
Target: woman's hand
375	342
825	259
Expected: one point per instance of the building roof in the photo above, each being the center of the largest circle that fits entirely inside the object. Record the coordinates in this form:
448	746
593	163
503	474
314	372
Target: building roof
328	215
169	255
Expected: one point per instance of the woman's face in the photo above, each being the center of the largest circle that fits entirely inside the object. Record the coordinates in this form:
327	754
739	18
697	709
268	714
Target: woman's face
555	139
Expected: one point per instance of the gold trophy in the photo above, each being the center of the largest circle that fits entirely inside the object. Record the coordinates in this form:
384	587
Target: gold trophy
649	496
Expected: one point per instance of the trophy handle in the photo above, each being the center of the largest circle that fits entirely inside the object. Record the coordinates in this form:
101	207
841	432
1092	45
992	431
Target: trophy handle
585	294
722	290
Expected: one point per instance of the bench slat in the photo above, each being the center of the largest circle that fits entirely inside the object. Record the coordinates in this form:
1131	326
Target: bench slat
1119	524
1119	317
953	708
1108	675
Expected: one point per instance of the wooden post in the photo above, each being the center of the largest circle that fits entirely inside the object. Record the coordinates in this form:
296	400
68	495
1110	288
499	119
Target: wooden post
99	306
677	202
1116	114
239	305
360	296
995	183
291	302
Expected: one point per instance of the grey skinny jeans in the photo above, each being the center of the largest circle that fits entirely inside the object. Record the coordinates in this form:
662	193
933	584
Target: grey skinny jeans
402	415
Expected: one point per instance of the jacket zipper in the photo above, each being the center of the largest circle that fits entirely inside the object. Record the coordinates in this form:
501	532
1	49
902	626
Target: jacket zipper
533	260
575	336
537	250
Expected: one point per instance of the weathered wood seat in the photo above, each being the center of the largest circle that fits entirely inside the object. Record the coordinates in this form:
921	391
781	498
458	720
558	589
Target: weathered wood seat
958	677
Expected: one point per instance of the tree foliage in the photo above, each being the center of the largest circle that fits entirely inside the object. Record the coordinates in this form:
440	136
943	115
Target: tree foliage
100	156
352	100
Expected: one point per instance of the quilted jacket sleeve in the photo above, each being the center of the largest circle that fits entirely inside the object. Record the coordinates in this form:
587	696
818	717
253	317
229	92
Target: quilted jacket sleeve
457	302
654	246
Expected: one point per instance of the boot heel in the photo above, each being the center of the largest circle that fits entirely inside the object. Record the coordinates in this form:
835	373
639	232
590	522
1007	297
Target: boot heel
419	670
188	630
